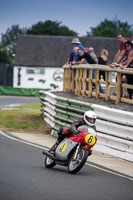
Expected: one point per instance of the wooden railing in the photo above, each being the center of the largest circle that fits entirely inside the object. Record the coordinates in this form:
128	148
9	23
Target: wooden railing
75	79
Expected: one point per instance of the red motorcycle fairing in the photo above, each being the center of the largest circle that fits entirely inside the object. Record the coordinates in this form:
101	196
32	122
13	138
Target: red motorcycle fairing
77	138
84	137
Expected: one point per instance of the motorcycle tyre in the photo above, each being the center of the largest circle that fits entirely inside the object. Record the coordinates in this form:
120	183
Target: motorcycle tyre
81	164
50	165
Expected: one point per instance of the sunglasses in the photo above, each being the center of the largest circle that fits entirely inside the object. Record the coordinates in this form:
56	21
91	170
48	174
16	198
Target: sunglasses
127	45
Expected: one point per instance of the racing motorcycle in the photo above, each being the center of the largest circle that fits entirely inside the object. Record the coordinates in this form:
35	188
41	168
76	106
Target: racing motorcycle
73	151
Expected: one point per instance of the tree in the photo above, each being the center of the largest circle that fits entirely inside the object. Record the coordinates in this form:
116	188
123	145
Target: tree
5	57
8	41
112	28
50	28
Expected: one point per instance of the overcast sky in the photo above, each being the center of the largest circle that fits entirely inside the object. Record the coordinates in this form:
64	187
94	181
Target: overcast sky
78	15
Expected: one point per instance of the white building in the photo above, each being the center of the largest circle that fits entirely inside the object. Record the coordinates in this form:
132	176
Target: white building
38	77
39	61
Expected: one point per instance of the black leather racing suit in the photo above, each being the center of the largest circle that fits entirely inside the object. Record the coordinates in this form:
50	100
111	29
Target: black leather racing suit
77	123
73	129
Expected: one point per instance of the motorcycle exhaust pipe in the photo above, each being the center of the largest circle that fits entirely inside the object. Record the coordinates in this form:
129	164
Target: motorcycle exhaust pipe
46	153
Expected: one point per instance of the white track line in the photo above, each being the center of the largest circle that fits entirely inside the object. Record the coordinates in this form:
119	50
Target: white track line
22	141
40	147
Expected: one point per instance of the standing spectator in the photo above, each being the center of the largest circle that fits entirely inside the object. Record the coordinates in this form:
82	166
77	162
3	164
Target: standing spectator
102	60
77	43
73	58
121	52
128	63
85	56
90	50
73	55
132	38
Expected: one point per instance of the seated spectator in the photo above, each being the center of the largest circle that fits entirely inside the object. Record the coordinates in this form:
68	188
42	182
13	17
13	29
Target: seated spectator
127	62
85	56
102	60
121	52
90	50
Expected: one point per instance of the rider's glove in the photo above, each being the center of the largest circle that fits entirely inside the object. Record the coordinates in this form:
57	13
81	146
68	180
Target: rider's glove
77	133
65	130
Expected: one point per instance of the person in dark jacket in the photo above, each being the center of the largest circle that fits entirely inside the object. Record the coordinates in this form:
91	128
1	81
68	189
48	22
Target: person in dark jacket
83	58
88	119
102	60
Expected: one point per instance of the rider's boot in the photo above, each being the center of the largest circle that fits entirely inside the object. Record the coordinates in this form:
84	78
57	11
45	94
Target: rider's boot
53	148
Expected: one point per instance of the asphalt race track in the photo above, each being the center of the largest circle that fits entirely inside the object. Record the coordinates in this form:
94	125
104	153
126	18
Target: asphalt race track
24	177
11	100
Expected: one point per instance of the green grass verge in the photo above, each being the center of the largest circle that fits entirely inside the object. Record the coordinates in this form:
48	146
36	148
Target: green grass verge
23	118
8	90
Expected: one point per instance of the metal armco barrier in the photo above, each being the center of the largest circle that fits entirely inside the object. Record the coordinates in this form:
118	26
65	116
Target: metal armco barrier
114	127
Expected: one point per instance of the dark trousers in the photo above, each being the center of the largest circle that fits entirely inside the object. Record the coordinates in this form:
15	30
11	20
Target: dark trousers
130	81
103	74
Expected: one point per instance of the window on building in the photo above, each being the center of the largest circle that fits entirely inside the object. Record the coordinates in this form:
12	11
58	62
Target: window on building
38	70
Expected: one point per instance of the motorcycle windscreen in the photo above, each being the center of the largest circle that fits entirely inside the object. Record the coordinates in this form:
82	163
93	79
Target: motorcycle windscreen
64	149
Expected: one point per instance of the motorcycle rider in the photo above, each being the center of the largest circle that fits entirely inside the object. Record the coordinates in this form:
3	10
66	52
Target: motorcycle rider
88	119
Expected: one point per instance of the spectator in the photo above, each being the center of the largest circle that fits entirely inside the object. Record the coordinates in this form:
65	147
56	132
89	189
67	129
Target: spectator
73	58
121	52
132	38
73	55
102	60
90	50
77	43
127	62
85	56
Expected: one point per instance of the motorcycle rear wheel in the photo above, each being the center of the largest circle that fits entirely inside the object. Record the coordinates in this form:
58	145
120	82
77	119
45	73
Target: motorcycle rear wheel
75	165
49	162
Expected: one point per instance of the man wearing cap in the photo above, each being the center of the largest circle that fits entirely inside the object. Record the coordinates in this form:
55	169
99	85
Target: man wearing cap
77	43
73	55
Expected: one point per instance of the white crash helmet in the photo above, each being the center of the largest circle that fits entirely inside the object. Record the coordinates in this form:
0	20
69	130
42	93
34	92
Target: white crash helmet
90	118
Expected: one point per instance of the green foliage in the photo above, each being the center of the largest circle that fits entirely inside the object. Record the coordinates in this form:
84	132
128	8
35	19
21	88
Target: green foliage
50	28
112	28
8	43
5	57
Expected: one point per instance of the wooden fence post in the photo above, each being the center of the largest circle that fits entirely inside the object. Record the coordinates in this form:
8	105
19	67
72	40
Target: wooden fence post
70	80
90	83
84	82
64	80
97	83
118	88
79	82
107	85
73	80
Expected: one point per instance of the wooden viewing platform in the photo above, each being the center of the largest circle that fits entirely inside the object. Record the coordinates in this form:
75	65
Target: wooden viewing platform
75	79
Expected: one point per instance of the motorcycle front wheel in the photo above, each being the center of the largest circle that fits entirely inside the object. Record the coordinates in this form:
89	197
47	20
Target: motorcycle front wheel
49	162
74	165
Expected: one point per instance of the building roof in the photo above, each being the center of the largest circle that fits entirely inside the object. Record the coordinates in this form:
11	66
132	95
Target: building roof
53	51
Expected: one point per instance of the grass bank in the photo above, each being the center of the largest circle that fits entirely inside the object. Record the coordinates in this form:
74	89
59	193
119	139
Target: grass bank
26	118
